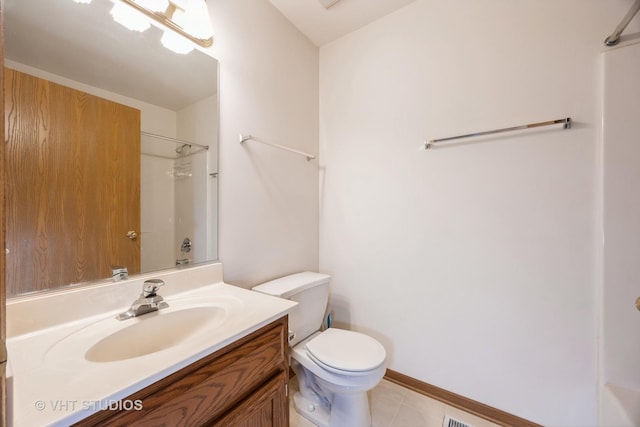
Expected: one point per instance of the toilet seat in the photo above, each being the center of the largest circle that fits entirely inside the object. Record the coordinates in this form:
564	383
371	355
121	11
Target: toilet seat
346	352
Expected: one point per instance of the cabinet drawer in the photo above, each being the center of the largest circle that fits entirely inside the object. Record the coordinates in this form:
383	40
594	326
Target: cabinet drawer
208	388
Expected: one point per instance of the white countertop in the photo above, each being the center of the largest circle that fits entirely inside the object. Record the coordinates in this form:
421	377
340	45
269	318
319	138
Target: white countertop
54	385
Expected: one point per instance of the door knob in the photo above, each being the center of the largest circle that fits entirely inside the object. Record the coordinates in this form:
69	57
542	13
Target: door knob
132	235
638	303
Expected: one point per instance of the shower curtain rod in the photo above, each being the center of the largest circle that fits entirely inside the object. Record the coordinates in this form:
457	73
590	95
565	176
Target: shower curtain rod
566	122
179	141
614	38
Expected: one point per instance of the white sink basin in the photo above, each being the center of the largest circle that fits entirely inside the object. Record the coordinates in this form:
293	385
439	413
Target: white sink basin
186	325
154	332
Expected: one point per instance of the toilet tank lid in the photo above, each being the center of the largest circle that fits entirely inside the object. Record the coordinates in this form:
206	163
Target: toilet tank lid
286	286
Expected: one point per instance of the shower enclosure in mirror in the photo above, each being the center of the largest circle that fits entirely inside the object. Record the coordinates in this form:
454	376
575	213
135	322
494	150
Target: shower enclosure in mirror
111	148
173	201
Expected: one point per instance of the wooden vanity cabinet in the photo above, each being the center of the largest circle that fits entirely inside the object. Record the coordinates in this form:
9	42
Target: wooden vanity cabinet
243	384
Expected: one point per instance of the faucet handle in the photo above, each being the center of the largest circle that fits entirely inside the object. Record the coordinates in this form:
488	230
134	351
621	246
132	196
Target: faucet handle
150	287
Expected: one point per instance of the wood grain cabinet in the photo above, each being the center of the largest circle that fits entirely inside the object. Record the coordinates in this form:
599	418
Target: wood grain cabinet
243	384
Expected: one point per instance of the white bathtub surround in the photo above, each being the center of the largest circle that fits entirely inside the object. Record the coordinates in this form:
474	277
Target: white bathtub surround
619	406
620	320
53	383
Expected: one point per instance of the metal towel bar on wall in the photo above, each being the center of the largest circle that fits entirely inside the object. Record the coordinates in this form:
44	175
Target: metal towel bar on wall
566	122
244	138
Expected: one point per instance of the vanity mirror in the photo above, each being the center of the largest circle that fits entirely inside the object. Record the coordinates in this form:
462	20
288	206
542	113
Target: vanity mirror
111	147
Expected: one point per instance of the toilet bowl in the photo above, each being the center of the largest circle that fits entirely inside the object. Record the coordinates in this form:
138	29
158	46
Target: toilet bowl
336	367
339	381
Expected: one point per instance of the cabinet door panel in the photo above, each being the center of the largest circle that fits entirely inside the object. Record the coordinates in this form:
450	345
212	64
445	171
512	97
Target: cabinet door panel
265	408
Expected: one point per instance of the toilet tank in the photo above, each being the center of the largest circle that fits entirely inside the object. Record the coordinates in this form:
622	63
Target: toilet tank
311	292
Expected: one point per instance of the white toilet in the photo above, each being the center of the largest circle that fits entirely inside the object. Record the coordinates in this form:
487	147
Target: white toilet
335	368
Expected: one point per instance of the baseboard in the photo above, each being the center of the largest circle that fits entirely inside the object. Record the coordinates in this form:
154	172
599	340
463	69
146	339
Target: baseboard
471	406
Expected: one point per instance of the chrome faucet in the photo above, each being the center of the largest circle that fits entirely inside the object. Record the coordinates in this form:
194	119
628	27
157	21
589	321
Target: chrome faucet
147	302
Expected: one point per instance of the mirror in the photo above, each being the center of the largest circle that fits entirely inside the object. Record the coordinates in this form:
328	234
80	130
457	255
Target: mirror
170	150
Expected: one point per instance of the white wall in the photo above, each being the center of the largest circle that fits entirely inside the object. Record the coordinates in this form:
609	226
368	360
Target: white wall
476	264
268	199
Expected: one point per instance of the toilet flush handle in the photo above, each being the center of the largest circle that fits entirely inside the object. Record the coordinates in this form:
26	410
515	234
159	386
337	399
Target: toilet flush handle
292	335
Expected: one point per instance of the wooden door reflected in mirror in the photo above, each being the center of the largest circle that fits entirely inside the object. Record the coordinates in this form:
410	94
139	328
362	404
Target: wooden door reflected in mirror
72	184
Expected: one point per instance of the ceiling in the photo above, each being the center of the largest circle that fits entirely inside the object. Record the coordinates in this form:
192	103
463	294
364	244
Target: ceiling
323	26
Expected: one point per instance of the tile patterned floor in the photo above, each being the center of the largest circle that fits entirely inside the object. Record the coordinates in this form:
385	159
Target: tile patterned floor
396	406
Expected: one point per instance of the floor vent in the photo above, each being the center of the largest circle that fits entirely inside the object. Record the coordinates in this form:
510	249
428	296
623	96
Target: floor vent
452	422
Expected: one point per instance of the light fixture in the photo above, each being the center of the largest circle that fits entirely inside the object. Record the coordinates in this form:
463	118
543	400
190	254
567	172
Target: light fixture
82	1
173	41
184	21
154	5
129	18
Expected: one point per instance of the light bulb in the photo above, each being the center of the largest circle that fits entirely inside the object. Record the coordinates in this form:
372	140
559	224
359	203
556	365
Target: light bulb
176	43
129	17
